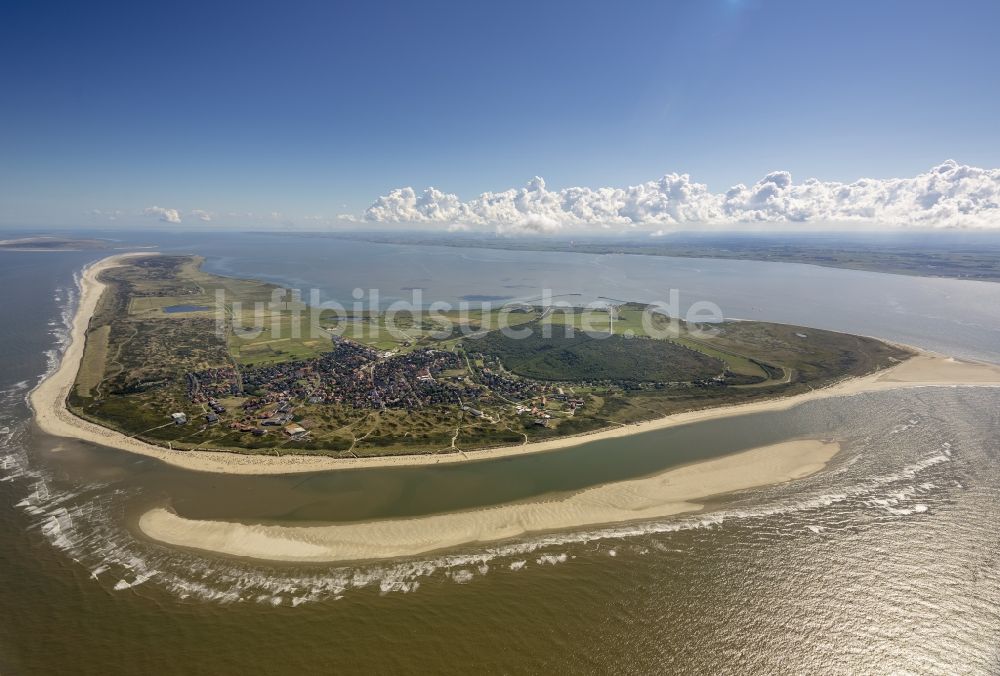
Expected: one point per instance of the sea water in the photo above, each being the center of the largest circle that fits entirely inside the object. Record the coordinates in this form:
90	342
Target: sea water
886	561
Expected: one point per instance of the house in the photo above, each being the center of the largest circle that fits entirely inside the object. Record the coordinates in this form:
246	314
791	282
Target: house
277	420
211	418
294	430
179	418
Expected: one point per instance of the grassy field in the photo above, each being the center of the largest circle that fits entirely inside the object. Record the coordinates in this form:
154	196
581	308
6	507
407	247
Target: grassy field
139	357
93	366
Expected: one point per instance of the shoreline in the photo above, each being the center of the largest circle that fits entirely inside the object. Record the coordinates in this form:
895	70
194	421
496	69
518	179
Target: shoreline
674	491
51	415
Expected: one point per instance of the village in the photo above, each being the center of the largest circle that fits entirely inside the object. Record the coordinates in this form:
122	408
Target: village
271	397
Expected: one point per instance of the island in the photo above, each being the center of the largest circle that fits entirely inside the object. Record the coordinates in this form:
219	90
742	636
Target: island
53	243
193	362
143	324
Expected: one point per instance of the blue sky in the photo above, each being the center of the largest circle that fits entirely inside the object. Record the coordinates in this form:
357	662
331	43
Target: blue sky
318	108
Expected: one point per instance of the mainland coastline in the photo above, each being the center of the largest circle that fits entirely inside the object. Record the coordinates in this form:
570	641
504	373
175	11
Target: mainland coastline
48	401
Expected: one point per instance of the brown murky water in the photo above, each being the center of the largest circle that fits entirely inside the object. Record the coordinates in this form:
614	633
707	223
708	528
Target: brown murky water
885	562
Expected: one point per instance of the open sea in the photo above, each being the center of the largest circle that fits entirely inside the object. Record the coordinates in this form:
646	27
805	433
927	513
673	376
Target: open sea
888	561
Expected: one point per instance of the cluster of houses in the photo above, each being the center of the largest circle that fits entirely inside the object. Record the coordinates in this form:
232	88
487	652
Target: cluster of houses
361	377
256	424
508	387
258	421
351	374
213	384
211	417
540	415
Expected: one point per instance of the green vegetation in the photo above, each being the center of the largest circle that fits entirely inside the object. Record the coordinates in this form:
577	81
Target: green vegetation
261	373
597	357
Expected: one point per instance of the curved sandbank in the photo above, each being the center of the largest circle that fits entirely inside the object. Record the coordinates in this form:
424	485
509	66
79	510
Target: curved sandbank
48	401
671	492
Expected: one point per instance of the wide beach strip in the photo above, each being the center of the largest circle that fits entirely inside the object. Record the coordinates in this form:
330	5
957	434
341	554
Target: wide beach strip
672	492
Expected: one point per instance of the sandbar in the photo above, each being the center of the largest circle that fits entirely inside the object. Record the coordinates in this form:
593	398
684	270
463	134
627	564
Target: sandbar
671	492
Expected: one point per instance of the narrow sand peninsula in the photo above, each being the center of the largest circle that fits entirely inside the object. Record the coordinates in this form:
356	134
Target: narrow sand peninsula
51	415
671	492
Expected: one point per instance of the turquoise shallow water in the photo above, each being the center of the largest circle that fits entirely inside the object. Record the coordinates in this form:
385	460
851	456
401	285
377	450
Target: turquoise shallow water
885	562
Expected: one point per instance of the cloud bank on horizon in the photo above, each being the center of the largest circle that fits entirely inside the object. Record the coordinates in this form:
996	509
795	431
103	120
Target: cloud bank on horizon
164	214
951	195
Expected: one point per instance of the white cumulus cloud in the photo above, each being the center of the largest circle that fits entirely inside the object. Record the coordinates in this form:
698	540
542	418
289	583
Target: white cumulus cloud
949	195
164	214
201	215
536	224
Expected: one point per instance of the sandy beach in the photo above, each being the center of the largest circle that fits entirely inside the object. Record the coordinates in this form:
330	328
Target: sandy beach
671	492
48	401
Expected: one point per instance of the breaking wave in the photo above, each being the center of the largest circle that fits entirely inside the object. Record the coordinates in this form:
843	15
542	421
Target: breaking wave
87	525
